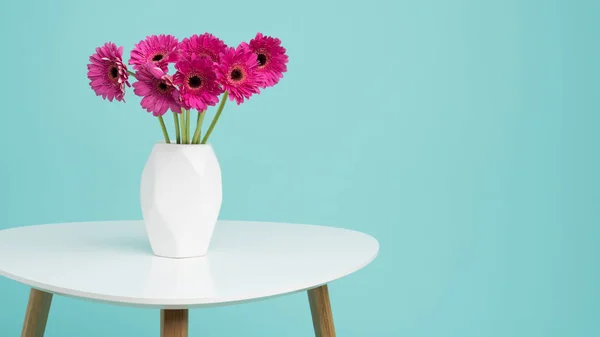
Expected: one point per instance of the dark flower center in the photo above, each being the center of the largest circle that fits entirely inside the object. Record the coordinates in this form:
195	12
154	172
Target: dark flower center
262	59
114	72
157	57
194	82
236	74
163	86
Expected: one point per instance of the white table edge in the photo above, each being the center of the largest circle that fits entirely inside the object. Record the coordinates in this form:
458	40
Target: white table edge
161	303
173	303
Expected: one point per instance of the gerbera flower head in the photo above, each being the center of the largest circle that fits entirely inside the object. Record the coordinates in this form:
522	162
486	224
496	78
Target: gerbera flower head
159	50
197	83
107	73
237	73
272	60
159	92
204	45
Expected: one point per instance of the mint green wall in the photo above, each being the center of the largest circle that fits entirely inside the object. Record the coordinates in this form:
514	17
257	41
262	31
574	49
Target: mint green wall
462	134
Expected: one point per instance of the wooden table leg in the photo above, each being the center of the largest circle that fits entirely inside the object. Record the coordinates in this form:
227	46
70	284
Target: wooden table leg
174	323
36	315
320	308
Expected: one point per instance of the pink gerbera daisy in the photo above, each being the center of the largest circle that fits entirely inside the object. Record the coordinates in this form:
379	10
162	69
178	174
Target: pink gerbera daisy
159	50
197	83
271	58
158	90
238	74
107	73
205	45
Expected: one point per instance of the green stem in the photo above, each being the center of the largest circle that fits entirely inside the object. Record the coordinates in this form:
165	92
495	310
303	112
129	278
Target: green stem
196	138
182	116
164	129
187	125
177	134
131	73
216	119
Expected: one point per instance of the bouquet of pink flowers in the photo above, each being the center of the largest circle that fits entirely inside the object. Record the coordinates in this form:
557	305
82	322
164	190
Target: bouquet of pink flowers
205	68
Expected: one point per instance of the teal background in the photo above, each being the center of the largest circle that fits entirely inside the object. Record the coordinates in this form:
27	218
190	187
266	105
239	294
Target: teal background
461	134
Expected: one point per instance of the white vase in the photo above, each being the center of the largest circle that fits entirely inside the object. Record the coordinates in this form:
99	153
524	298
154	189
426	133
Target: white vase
181	195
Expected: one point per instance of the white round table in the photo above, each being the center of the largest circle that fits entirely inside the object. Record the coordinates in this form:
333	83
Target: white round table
112	262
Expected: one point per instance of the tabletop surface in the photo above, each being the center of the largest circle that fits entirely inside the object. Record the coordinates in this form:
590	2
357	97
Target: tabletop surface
112	262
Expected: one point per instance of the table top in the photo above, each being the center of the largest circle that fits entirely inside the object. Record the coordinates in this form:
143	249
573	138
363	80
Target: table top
113	262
